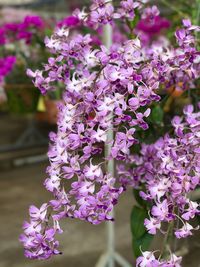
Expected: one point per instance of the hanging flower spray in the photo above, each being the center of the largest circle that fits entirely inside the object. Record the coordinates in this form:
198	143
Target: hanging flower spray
115	89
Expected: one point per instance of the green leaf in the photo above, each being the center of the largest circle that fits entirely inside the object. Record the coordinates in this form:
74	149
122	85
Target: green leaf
138	198
157	115
142	243
140	237
134	22
48	32
137	221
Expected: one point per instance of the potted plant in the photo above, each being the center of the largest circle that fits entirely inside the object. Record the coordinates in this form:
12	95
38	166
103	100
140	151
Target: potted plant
24	41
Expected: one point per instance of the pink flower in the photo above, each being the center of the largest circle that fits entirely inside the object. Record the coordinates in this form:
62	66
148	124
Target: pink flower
147	260
185	231
152	225
70	21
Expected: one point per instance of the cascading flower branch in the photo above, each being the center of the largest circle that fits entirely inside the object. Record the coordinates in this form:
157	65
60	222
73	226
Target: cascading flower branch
105	89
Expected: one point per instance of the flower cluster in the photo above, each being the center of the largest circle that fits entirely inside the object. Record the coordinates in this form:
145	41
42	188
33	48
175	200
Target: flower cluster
6	66
38	239
10	32
148	260
94	101
102	12
104	89
70	21
151	24
169	170
178	67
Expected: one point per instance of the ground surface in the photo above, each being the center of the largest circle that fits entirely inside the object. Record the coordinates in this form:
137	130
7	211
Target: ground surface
81	243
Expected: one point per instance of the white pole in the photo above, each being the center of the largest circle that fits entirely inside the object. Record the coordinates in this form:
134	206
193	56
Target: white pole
109	258
110	166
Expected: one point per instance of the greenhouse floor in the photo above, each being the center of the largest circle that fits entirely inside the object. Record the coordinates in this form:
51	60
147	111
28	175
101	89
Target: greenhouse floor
81	243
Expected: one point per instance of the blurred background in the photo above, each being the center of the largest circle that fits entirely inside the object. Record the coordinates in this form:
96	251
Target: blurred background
26	118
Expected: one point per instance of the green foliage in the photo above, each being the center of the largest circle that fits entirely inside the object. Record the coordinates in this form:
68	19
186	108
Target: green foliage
137	221
132	24
140	238
22	98
140	200
141	243
157	115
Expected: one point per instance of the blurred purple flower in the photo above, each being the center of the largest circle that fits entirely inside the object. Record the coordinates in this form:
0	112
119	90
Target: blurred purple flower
154	26
69	22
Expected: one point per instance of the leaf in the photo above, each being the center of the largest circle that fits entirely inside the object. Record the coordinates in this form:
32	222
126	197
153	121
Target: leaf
140	237
137	221
132	24
142	243
157	115
138	198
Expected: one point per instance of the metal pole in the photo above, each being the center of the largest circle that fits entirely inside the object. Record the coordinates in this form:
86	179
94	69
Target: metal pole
110	166
109	258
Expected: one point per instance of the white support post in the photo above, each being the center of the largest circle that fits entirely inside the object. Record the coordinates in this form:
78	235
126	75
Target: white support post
110	166
109	258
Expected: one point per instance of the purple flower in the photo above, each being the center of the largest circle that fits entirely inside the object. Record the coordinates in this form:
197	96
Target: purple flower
185	231
152	225
2	36
22	31
70	21
33	21
93	172
193	209
134	103
6	66
127	9
147	260
161	210
154	26
38	214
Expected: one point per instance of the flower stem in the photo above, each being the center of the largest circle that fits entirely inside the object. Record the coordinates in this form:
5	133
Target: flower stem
166	239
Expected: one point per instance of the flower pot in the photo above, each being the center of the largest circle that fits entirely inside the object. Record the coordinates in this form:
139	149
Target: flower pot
51	110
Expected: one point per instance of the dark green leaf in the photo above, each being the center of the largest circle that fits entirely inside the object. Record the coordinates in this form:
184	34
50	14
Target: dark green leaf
142	243
137	222
132	24
157	115
140	237
138	198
